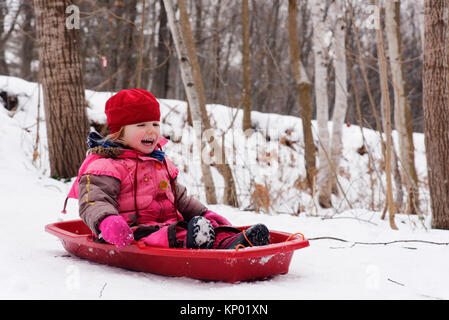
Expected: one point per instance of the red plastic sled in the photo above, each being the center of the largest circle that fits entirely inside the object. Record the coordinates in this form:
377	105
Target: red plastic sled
222	265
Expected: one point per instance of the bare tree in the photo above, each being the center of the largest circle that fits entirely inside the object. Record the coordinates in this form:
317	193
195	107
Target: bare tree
28	41
341	89
322	105
216	49
6	34
141	42
436	108
402	112
304	90
161	76
193	84
63	87
192	92
246	67
386	106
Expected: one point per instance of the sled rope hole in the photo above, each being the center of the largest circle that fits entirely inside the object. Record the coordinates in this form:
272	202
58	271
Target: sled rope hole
292	235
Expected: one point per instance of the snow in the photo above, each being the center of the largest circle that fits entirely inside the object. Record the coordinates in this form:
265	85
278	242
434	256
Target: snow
34	264
204	232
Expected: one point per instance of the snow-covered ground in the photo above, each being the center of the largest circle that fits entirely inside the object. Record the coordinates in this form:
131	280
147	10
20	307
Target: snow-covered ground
34	264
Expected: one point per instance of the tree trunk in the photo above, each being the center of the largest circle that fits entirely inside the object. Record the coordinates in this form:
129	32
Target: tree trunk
4	36
230	193
271	59
193	84
402	110
304	88
216	47
141	43
192	92
394	169
341	91
246	65
198	20
63	87
160	80
436	108
28	42
322	105
114	53
386	105
126	58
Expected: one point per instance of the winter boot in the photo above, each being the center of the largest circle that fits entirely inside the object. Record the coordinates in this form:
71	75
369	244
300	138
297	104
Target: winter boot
257	235
200	234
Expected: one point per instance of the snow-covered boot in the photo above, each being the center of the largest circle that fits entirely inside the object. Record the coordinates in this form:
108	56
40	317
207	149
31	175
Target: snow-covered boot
257	235
200	234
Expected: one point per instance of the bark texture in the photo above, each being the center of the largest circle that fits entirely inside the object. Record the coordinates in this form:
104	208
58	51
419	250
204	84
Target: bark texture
304	88
436	108
63	88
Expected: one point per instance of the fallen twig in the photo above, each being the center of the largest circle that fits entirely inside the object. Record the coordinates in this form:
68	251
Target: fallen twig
354	243
358	219
102	289
398	283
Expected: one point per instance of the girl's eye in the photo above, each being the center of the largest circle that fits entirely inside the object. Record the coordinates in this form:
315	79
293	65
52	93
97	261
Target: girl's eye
141	125
155	124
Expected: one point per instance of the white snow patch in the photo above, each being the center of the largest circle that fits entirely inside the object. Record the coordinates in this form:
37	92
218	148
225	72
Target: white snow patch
265	259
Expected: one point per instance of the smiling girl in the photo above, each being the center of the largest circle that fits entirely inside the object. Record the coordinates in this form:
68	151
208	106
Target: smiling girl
128	189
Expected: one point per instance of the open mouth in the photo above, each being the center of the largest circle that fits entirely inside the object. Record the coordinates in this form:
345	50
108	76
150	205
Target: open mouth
147	142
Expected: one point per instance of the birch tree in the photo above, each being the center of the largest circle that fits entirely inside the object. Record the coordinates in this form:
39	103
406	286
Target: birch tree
341	88
193	84
63	88
320	47
192	93
436	108
386	106
304	90
402	112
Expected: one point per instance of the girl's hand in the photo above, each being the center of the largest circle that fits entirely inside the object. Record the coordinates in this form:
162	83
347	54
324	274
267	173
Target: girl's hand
115	230
216	219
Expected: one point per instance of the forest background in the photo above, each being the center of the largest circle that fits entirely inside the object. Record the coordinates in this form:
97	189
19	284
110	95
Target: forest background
352	62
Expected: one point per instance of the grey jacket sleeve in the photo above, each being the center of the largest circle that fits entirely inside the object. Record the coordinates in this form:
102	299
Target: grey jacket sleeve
97	199
188	206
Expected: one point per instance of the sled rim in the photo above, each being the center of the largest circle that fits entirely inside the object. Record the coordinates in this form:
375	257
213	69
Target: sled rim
295	242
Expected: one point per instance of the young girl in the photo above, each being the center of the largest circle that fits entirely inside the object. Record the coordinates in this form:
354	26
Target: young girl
127	188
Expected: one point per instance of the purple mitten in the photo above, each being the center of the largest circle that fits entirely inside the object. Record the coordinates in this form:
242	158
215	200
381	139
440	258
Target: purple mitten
115	230
216	219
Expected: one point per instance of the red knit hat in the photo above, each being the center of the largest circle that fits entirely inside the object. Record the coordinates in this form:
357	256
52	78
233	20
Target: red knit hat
130	107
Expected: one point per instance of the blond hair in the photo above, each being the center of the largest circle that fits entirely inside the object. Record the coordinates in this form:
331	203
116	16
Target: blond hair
116	136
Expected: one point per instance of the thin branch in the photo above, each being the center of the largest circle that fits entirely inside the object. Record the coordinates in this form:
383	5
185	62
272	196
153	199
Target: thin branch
354	243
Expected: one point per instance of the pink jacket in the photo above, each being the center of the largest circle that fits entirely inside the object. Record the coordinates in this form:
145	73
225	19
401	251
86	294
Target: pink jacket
140	188
145	187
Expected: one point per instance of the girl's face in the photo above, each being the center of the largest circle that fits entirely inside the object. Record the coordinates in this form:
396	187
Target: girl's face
143	136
